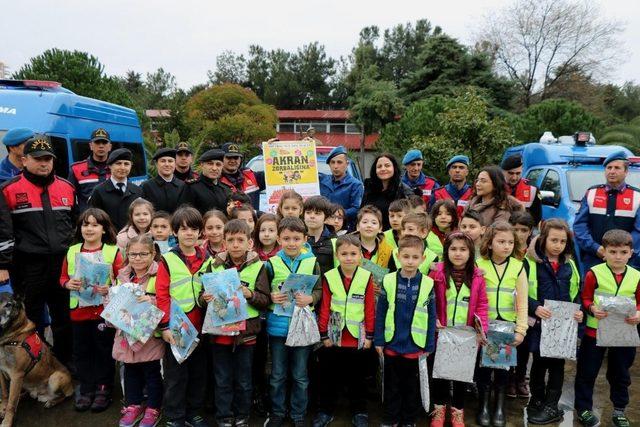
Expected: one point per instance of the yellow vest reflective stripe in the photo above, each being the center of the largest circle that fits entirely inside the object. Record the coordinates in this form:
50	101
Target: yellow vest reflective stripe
249	276
281	271
336	263
391	240
151	286
574	284
429	258
350	306
501	291
109	253
607	286
434	243
420	321
457	304
185	287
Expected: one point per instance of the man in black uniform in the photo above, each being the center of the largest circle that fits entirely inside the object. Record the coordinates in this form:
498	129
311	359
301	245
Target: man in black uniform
85	175
208	192
164	191
116	194
184	160
38	213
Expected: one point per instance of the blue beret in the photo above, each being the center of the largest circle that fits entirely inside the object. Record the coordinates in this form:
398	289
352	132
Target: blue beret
412	156
616	155
17	136
460	158
336	152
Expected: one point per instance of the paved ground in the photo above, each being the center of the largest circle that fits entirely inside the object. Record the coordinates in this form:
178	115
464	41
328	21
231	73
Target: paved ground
31	413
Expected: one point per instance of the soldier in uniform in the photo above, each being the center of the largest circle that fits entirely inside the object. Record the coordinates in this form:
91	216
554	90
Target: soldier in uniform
86	174
164	191
208	192
520	188
421	184
240	180
14	140
184	160
458	189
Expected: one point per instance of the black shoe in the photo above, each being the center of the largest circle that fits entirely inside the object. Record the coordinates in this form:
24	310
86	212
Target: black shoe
547	415
534	407
242	422
588	419
102	399
274	421
299	423
483	417
360	420
322	419
499	418
174	424
195	421
620	421
83	402
225	422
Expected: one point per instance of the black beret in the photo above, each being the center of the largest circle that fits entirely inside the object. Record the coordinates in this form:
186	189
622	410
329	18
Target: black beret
165	152
511	162
213	154
119	154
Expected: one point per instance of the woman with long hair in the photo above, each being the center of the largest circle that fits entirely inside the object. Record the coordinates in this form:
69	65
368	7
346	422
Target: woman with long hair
491	199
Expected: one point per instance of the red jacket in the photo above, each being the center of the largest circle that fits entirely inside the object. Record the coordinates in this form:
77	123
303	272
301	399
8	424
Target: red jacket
347	340
84	176
163	280
478	302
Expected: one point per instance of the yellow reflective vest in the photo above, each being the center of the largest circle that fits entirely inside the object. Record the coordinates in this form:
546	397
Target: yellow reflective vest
607	286
281	272
350	305
501	291
185	287
457	304
109	253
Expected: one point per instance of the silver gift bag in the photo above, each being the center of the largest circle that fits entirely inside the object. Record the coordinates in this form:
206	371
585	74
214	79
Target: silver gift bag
456	353
424	381
613	331
559	337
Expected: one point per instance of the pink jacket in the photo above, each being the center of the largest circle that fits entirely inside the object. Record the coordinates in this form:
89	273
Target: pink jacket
123	237
478	303
153	349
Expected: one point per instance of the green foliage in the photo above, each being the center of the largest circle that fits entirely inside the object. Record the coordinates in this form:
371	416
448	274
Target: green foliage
626	135
558	116
229	112
374	104
443	126
77	71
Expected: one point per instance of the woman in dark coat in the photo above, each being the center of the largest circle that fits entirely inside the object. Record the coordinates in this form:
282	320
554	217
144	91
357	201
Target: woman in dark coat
384	185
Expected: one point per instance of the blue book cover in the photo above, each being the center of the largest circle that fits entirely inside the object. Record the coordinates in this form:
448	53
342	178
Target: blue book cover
295	283
92	274
498	352
228	304
184	333
136	319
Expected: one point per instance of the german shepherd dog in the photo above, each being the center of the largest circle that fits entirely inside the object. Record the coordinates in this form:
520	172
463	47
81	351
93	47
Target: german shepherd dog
27	362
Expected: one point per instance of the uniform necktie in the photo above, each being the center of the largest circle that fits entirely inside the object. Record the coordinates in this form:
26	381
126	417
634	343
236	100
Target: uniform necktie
120	187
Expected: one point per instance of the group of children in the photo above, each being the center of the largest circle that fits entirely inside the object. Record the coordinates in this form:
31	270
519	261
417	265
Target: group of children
445	268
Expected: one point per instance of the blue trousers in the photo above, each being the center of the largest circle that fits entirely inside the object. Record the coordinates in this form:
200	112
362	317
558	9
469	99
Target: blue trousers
232	373
284	360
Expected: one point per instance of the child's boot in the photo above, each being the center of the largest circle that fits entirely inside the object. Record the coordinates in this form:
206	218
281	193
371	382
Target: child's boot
550	412
457	417
483	418
437	416
102	399
499	418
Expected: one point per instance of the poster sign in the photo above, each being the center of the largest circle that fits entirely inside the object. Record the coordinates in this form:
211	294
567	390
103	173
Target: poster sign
290	165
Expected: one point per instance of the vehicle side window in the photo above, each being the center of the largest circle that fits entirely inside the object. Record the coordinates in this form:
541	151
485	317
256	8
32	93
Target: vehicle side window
551	182
533	175
61	163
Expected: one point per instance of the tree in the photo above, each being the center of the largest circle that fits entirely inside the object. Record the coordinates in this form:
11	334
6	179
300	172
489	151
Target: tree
558	116
77	71
374	104
229	112
443	126
230	68
444	65
312	70
537	42
159	86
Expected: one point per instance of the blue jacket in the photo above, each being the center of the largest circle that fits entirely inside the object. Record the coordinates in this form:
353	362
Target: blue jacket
7	170
406	297
551	285
589	228
347	193
278	326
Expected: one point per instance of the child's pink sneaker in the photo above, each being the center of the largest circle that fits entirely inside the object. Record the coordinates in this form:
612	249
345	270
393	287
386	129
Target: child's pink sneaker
131	415
151	418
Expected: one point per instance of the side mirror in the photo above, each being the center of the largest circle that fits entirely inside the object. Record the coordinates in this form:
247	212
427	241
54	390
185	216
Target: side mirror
548	198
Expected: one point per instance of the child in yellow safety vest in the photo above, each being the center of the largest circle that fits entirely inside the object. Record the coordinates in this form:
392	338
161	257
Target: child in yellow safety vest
507	291
397	210
178	282
373	244
92	340
471	224
552	276
404	331
141	361
233	355
348	296
613	277
444	218
416	224
461	297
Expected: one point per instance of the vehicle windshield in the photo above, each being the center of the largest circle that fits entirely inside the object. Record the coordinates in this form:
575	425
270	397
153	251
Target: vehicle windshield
580	180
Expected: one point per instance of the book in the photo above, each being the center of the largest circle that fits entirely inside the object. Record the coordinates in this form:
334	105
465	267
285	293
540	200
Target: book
376	271
138	320
92	273
228	305
184	333
499	352
294	284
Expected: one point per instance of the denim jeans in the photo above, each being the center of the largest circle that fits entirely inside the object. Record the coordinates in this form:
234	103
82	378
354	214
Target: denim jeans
232	374
137	376
283	360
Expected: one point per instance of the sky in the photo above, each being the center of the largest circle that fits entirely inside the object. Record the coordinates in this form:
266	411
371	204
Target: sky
184	37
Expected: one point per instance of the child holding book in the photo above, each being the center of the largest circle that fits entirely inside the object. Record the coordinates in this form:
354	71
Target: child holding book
214	221
140	213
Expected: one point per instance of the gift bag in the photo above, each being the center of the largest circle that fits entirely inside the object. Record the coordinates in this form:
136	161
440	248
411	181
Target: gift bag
456	353
559	337
613	331
424	381
303	329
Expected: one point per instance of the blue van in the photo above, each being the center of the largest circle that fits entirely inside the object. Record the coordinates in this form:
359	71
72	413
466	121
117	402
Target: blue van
47	107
